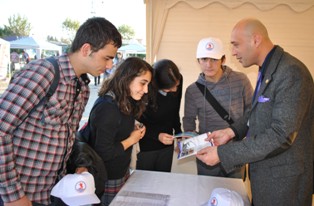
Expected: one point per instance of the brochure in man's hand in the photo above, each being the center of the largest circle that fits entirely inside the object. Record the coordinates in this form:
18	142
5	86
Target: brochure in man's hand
191	146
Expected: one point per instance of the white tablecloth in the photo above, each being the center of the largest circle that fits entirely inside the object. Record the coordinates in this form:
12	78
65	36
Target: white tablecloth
173	189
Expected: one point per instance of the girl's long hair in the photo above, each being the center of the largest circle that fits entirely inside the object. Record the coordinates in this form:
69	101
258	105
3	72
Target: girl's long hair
119	84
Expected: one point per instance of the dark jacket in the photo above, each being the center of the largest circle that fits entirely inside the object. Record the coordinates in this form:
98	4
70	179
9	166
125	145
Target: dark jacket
109	127
280	145
164	119
84	156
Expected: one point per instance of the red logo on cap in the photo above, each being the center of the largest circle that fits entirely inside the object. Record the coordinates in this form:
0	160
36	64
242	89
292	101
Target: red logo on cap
80	186
213	201
209	46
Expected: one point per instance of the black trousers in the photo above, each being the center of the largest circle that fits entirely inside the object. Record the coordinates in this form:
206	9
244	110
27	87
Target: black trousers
156	160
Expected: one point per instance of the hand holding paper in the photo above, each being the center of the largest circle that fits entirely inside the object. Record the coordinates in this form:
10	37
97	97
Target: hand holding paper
220	137
165	138
192	145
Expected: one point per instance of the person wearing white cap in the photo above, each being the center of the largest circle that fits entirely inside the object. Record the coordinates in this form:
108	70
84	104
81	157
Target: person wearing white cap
231	89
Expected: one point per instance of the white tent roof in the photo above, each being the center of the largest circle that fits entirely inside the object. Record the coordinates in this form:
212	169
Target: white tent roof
133	48
33	43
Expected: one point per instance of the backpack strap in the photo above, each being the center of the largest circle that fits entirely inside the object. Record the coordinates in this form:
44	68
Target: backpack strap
56	79
51	90
52	87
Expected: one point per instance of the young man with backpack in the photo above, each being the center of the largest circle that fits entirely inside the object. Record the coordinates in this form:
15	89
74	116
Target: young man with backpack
36	143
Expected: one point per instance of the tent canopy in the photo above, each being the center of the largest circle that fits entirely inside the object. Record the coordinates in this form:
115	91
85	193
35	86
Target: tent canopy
133	48
33	43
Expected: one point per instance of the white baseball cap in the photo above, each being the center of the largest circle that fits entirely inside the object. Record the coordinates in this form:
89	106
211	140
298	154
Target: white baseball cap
225	197
76	189
210	48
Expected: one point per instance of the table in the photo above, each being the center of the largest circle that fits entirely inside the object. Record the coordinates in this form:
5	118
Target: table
173	189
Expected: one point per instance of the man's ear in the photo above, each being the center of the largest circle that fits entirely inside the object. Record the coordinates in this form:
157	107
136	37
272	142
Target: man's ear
86	49
257	38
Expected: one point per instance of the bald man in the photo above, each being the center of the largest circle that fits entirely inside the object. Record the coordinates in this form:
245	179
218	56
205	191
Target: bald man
276	138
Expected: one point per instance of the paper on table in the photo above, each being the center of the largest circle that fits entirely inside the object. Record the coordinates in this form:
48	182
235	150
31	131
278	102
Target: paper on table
191	146
131	198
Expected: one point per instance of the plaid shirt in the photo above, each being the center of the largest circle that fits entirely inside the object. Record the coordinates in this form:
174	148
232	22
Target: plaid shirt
32	154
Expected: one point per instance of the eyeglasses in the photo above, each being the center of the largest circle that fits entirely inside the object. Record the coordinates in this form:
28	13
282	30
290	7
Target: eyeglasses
211	60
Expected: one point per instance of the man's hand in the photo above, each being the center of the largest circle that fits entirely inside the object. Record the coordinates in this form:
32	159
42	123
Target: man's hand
24	201
208	155
220	137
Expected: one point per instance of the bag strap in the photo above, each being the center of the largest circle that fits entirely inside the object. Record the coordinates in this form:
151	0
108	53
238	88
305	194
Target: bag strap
51	90
215	104
56	79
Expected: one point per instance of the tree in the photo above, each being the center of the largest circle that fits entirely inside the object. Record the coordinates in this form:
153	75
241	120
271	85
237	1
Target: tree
4	32
18	26
70	26
126	31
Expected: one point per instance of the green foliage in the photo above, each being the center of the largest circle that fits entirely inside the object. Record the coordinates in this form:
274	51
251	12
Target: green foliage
18	26
4	32
70	26
126	31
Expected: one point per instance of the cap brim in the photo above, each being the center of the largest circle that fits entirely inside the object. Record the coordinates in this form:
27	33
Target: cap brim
81	200
213	56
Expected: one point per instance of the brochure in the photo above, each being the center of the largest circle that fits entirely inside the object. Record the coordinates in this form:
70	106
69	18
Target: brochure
185	135
191	146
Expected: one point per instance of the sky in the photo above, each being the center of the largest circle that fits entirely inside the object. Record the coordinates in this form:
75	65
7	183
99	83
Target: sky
46	16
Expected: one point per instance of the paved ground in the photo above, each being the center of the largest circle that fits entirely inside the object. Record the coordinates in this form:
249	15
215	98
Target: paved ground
93	96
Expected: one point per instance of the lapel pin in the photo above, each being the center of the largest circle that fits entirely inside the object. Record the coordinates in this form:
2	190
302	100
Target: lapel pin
267	80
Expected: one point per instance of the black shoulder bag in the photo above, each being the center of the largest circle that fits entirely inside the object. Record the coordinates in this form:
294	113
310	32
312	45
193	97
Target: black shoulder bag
215	104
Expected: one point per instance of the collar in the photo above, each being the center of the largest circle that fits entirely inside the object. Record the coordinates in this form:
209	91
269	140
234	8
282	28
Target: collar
266	62
68	70
162	92
85	79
